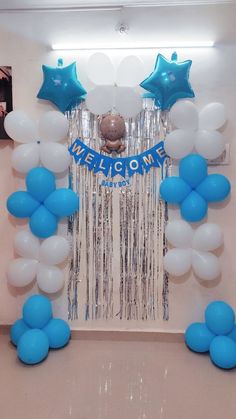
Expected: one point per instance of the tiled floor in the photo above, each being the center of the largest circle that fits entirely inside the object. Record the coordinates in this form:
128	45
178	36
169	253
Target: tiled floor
116	379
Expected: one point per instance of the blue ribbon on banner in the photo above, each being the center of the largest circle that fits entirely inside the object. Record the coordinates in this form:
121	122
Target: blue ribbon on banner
141	163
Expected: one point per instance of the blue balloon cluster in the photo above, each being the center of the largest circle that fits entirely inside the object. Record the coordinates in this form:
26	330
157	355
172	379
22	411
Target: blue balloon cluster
61	87
42	202
169	81
193	189
216	336
38	331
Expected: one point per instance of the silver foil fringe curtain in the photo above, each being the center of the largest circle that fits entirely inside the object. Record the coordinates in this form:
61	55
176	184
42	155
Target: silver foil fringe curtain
118	240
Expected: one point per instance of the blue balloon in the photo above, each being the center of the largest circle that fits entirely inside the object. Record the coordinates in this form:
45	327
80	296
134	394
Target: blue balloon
58	333
232	334
37	311
223	352
169	81
62	202
21	204
40	183
193	169
214	188
17	330
33	347
43	223
219	318
193	208
174	190
198	337
61	86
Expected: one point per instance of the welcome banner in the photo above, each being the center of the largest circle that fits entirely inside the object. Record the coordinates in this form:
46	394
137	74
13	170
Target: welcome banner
141	163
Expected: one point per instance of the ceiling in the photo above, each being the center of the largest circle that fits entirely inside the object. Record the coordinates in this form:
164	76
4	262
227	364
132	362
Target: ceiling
16	5
150	25
208	22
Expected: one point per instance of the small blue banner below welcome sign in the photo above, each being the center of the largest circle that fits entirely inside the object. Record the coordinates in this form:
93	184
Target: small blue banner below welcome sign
141	163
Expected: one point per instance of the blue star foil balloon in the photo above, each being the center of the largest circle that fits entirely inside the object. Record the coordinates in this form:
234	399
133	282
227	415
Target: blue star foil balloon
61	86
169	81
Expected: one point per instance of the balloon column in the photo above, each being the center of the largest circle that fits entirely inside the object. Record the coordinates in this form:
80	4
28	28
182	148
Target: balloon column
42	202
216	336
192	249
194	188
40	143
38	331
196	130
169	81
38	261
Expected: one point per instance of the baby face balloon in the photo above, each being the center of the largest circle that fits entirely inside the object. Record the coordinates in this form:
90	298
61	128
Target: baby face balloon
112	129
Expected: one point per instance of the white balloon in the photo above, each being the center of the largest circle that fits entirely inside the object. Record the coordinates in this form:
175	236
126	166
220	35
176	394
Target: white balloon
25	157
179	233
206	265
20	127
50	279
212	116
177	262
26	244
179	143
130	72
55	157
100	69
210	144
21	272
53	126
54	250
208	237
100	100
184	115
127	102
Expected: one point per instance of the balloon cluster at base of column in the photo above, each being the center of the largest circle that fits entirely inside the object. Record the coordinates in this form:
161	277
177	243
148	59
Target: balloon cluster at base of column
38	260
42	203
216	336
192	249
38	331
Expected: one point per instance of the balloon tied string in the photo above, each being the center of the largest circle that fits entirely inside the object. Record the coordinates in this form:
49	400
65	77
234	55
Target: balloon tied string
174	56
60	62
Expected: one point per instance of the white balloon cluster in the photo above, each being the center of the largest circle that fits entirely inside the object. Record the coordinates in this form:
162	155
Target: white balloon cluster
114	90
196	131
38	261
39	143
193	249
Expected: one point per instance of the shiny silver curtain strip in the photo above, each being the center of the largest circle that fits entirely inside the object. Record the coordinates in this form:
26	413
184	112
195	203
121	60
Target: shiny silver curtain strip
118	237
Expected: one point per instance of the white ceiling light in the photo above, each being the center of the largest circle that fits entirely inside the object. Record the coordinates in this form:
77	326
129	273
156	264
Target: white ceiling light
127	45
41	5
63	9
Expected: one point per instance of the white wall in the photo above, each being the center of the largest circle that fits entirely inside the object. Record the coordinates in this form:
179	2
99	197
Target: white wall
24	40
